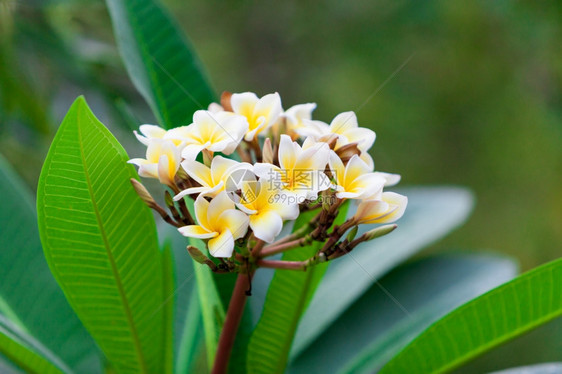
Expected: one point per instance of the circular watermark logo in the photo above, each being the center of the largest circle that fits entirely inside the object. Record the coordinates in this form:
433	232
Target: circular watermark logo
236	180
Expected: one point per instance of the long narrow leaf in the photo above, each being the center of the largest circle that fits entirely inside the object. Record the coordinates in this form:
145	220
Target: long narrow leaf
287	298
528	301
381	323
26	352
29	295
168	302
160	61
212	309
100	242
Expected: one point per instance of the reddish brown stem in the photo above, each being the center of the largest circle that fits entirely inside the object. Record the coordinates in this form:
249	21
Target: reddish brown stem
231	323
287	265
271	250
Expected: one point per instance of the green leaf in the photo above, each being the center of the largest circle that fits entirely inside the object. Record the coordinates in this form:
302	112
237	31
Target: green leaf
212	309
287	298
546	368
191	336
26	352
431	214
29	295
378	325
168	302
100	242
160	61
528	301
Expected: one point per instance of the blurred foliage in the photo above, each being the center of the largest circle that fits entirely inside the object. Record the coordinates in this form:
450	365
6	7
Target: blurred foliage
478	101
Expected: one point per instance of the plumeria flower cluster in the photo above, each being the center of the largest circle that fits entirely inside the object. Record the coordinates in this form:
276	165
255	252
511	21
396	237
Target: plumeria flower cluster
245	167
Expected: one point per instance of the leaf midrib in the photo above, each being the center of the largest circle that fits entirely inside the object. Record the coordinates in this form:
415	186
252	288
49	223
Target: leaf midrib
114	270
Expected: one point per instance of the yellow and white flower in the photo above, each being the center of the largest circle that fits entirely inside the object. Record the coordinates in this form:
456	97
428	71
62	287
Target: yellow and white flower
219	222
301	171
345	128
212	179
261	113
354	180
297	115
216	132
266	209
386	208
162	161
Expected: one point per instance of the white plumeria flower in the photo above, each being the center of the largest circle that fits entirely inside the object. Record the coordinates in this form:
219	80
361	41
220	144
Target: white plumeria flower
219	222
266	209
297	114
261	113
213	179
149	132
162	161
216	132
345	127
387	208
301	171
354	180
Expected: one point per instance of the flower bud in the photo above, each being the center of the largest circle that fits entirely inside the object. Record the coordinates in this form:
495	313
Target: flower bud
379	231
352	233
225	101
346	152
143	193
200	257
181	178
267	153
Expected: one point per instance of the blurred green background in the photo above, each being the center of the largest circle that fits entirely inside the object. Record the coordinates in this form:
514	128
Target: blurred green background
466	93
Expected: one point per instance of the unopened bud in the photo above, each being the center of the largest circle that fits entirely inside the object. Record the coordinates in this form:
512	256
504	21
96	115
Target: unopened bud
169	199
181	178
225	101
207	157
346	152
267	153
143	193
379	231
200	257
352	233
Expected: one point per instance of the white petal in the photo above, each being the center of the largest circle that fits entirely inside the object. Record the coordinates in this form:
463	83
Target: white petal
235	221
215	108
270	107
355	168
152	131
217	206
371	208
337	168
365	138
343	122
201	206
148	170
391	179
243	103
366	157
165	170
190	191
195	231
287	154
222	245
266	226
191	151
199	172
